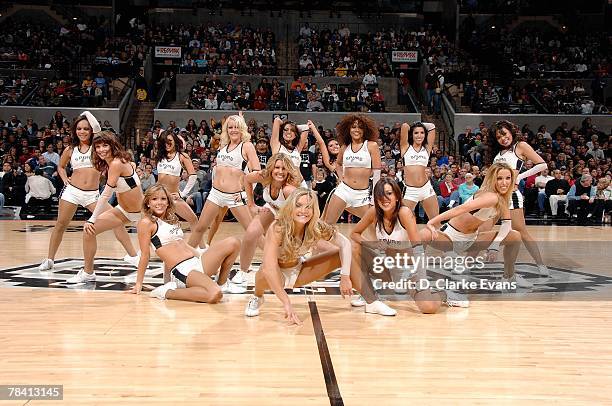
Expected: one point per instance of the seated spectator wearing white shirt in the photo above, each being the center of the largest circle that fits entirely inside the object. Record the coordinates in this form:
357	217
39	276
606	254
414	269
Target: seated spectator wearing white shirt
540	182
38	191
211	102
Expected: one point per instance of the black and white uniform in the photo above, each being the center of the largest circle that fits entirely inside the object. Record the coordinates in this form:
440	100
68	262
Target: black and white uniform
273	204
232	159
165	234
296	159
462	241
125	184
170	167
397	239
509	157
412	157
73	194
360	159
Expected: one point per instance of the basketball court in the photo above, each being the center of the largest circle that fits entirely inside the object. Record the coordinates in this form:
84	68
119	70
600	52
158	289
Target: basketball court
550	345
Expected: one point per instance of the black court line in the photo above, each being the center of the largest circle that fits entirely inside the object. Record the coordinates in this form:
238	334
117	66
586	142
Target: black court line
333	391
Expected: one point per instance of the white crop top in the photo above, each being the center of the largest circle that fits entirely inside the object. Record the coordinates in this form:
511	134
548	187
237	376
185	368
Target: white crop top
171	167
412	157
275	203
233	158
127	183
294	155
484	214
398	238
80	161
509	157
166	233
359	159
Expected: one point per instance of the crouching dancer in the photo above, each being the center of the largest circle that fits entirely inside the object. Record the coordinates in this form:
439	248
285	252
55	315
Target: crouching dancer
190	276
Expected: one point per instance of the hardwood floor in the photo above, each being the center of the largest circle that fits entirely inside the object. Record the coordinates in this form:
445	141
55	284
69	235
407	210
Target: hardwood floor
108	347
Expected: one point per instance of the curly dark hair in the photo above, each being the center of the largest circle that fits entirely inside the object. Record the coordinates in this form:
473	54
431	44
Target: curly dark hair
74	140
493	146
343	129
117	150
161	152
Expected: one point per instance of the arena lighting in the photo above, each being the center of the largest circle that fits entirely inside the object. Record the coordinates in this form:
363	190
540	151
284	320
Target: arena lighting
492	27
74	18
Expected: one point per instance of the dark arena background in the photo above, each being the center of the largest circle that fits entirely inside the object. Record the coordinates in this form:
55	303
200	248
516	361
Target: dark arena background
158	73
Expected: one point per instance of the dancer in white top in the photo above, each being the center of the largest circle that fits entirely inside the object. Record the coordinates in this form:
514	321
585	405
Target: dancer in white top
81	188
236	154
112	160
171	160
387	214
299	249
358	160
279	179
190	276
416	143
505	147
463	231
285	140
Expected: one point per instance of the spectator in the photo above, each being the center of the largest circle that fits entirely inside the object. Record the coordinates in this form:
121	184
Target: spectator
581	199
51	156
540	182
39	190
468	188
556	190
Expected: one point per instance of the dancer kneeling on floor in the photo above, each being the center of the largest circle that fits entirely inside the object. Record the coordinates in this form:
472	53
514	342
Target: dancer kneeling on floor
396	232
297	232
488	204
190	276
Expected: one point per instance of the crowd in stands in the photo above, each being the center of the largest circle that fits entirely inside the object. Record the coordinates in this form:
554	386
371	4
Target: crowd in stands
14	88
342	53
213	94
221	49
60	50
544	97
571	154
300	95
542	54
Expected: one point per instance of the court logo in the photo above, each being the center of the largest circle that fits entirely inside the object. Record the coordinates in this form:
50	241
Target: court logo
116	275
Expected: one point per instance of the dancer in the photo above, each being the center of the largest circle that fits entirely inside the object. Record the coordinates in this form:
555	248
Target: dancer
171	160
289	143
388	213
463	228
358	159
505	146
112	160
416	142
236	153
190	276
81	189
279	179
297	232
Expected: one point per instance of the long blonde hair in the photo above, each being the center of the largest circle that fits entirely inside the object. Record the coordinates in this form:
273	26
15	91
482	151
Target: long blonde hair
314	231
170	215
489	184
293	174
242	126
